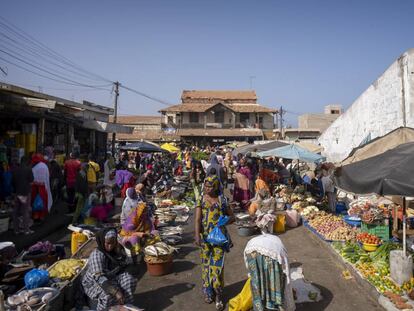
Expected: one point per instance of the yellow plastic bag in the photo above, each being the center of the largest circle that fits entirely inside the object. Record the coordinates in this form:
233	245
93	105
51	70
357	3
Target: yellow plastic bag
244	300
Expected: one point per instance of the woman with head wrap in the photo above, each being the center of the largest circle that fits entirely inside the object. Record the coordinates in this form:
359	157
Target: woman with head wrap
242	180
197	176
106	283
267	262
41	185
137	227
261	183
219	169
208	211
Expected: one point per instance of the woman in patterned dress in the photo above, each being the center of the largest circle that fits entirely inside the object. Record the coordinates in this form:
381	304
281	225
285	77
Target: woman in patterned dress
208	211
268	265
106	282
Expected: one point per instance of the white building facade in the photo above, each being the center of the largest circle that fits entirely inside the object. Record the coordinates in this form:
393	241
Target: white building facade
387	104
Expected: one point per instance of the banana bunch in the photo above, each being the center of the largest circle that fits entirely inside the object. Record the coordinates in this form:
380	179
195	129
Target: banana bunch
66	269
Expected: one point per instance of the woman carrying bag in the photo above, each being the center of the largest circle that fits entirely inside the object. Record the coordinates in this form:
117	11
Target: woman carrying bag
209	209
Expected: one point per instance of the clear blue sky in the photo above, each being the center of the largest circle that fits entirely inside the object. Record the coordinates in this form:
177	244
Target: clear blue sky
303	54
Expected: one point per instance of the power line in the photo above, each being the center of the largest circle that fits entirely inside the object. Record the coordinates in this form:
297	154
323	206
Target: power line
22	34
34	62
39	74
29	50
39	49
56	89
47	71
146	96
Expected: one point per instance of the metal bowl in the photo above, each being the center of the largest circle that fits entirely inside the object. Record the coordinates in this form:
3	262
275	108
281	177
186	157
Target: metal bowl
246	231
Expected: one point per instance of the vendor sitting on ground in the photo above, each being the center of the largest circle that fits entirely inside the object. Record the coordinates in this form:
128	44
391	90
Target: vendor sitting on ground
131	200
137	228
105	281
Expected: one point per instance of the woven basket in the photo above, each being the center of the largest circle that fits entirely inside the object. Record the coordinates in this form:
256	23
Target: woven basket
158	259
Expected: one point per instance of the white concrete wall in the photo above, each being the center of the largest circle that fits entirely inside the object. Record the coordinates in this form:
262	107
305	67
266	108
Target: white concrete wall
387	104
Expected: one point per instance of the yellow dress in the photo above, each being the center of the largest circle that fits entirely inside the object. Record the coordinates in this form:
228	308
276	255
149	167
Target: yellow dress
212	256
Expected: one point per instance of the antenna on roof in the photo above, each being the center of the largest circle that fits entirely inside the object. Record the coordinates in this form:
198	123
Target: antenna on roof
251	81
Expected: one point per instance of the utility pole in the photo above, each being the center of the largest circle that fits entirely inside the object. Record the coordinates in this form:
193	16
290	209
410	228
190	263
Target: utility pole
116	90
281	113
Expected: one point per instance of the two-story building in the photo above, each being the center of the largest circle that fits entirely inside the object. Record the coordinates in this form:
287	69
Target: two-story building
144	128
218	116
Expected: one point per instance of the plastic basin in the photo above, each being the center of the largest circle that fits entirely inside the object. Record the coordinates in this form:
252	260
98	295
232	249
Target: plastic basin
370	247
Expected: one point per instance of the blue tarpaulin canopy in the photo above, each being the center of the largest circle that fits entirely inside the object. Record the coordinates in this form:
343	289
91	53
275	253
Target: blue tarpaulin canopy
293	152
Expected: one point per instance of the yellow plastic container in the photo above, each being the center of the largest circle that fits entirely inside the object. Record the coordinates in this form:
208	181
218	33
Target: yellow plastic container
77	240
280	222
30	143
90	221
370	247
60	159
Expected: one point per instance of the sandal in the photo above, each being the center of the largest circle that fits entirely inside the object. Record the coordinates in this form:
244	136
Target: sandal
208	299
219	305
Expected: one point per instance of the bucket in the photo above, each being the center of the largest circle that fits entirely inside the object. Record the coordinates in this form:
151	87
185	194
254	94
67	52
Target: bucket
280	222
158	269
77	240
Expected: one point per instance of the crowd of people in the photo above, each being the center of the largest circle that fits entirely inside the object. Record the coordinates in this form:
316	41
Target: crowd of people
218	178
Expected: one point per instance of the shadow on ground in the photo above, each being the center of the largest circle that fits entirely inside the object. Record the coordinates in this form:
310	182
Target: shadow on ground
327	297
185	250
183	265
161	298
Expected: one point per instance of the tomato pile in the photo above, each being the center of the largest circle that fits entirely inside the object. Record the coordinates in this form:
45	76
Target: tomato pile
368	238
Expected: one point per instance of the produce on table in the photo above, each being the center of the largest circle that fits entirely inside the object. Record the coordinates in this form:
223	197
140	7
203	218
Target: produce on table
342	234
309	210
368	238
408	286
310	200
66	269
398	301
384	284
299	205
332	227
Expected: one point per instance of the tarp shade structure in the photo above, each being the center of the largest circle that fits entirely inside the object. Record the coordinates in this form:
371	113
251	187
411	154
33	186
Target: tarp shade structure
390	173
258	147
310	146
106	127
170	147
293	152
381	144
142	146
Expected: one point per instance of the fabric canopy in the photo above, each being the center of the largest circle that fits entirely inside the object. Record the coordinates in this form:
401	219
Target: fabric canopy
381	144
142	146
258	147
293	152
390	173
309	146
170	147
